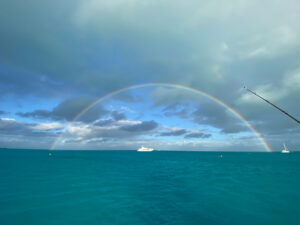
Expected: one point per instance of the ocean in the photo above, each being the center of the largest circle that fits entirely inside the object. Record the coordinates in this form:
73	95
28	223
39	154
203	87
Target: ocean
160	187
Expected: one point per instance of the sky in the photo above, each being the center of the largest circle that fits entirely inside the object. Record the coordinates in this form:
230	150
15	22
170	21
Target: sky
58	58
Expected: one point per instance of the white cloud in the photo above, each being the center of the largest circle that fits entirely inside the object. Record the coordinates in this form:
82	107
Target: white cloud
92	130
8	119
79	129
127	109
127	122
47	126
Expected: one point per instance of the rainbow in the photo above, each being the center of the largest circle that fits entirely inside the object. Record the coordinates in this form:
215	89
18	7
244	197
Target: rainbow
233	111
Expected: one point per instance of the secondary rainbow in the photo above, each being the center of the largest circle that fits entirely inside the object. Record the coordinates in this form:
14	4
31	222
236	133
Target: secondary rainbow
233	111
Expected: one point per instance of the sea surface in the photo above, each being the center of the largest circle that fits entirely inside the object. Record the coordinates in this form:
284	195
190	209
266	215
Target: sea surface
129	187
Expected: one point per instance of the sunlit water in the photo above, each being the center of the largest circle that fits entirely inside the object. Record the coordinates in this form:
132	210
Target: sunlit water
128	187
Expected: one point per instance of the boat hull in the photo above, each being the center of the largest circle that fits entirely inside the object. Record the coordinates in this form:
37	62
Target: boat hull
285	151
145	150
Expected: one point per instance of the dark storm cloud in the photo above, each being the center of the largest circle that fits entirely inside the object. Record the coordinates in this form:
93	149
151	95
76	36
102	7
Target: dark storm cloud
183	113
178	132
48	55
197	135
204	111
38	114
23	83
176	109
215	115
13	127
141	127
126	97
90	42
171	107
15	134
31	39
68	109
118	115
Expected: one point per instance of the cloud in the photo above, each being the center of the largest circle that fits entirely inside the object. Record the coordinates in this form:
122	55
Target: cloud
267	90
68	110
10	126
262	115
264	46
47	126
176	132
38	114
140	127
197	135
173	98
104	122
23	82
215	116
118	115
32	134
179	109
109	129
16	134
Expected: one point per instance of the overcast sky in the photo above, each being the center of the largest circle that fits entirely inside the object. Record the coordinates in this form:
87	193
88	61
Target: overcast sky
57	57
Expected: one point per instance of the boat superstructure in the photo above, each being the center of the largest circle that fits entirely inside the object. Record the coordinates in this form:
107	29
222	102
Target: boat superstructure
285	150
144	149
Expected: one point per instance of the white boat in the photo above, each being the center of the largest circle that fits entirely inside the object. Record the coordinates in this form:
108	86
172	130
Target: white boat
144	149
285	150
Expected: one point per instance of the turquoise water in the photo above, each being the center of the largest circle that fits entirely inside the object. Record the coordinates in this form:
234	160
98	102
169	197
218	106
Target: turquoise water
129	187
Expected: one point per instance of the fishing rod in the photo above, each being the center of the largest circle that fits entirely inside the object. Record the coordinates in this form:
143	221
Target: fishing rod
285	112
